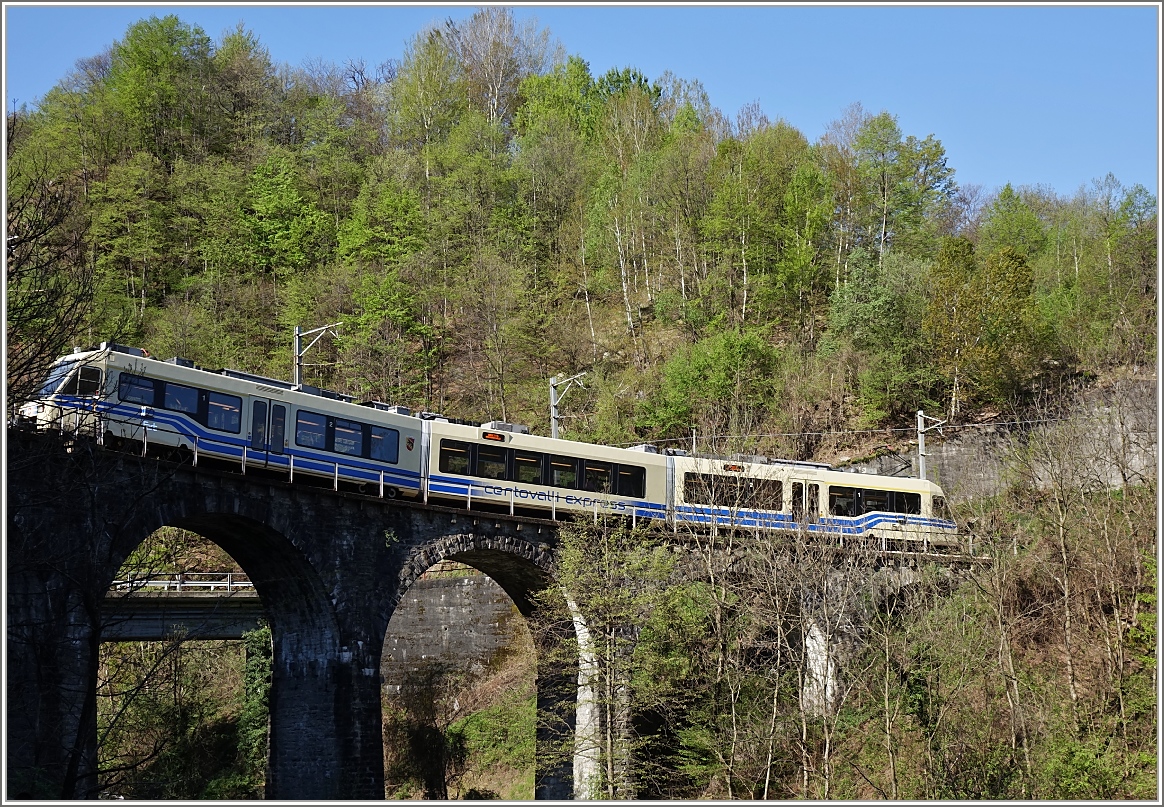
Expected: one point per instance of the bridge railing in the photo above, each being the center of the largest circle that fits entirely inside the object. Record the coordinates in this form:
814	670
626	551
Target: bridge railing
185	581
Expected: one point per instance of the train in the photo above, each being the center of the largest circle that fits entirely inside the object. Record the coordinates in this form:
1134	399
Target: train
132	401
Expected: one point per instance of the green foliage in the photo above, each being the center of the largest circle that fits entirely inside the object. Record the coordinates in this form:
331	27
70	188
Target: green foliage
877	314
982	323
1080	770
386	225
502	734
905	187
767	291
157	79
428	93
717	383
567	92
287	231
254	719
1011	223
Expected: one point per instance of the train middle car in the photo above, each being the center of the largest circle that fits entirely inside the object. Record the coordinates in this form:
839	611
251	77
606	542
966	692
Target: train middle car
131	399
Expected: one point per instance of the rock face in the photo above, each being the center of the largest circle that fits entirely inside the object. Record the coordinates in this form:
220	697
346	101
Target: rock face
1111	429
453	618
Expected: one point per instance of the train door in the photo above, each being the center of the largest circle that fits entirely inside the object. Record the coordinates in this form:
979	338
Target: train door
805	502
268	433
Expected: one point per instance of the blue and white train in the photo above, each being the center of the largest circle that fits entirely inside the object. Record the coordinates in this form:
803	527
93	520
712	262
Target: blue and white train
132	401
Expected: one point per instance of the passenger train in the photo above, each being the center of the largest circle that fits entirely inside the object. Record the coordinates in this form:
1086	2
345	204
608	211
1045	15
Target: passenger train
130	400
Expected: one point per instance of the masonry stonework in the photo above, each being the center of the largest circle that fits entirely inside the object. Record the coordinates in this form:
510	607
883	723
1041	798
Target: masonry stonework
330	570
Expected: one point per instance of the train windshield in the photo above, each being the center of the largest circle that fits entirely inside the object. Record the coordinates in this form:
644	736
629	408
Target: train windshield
55	377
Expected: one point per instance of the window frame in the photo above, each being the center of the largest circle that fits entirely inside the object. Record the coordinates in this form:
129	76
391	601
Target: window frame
126	380
197	398
226	400
299	413
395	443
335	427
454	445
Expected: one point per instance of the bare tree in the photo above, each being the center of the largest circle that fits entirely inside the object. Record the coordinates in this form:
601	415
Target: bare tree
497	53
50	276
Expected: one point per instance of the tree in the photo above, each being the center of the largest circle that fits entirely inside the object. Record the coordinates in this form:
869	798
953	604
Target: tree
981	322
288	232
496	55
615	580
879	314
49	275
905	183
160	78
718	384
428	93
1010	222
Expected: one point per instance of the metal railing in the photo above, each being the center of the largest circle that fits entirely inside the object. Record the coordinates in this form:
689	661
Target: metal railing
185	581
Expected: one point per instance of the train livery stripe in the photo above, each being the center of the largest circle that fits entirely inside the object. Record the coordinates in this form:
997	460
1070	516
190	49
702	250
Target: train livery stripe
225	445
157	425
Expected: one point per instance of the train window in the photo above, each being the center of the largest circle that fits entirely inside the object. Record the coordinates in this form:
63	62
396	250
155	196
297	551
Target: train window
842	501
89	381
813	502
85	383
55	377
278	424
765	494
632	481
454	457
491	462
941	509
258	425
385	444
527	468
224	413
907	503
876	501
135	389
310	430
699	489
348	438
733	491
596	476
180	398
563	472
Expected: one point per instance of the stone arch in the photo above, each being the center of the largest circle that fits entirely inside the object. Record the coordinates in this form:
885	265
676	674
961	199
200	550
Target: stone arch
307	708
329	567
522	568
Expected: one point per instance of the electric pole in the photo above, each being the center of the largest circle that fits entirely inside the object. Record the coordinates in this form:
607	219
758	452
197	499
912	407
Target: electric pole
921	440
300	350
556	399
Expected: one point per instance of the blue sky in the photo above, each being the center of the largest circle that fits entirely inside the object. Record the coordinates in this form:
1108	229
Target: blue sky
1054	95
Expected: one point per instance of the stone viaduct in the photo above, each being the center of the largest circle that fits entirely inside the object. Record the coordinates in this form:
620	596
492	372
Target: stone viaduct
329	567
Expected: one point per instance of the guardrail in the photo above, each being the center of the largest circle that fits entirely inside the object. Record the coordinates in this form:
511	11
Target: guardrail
186	581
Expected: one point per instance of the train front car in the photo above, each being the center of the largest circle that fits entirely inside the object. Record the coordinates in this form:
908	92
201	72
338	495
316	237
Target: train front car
69	398
130	401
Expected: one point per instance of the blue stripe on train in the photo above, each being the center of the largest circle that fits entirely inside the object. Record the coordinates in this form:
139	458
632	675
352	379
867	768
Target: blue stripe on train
324	463
225	445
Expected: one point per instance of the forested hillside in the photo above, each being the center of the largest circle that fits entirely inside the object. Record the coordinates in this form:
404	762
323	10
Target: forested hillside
486	213
481	216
